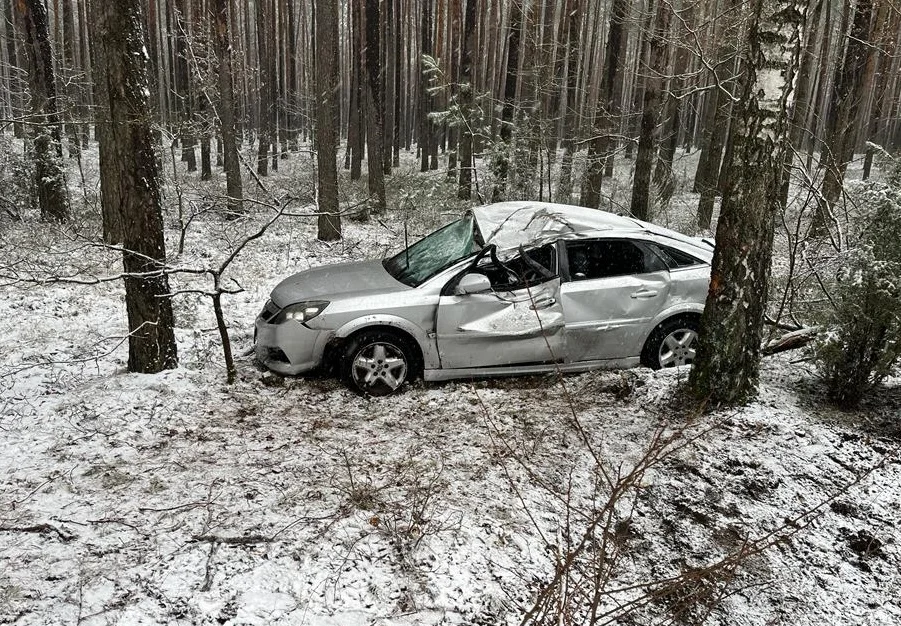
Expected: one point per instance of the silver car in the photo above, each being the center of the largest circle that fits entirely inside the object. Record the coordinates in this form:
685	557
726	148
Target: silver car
509	288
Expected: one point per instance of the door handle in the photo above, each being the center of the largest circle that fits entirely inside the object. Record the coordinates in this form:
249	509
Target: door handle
543	304
644	293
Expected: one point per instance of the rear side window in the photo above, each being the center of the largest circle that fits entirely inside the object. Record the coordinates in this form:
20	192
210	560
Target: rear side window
675	258
604	258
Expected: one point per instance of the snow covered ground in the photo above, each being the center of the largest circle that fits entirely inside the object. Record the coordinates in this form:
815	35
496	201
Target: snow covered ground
175	498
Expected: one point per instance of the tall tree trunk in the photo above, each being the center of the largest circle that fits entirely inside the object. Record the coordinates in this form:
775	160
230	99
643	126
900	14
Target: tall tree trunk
847	95
122	67
183	86
571	113
72	82
888	21
650	116
717	121
264	48
356	128
326	20
426	131
664	179
466	98
501	164
16	89
726	369
49	178
601	146
375	129
222	33
801	101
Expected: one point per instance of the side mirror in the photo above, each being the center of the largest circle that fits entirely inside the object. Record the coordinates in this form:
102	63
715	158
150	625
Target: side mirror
472	283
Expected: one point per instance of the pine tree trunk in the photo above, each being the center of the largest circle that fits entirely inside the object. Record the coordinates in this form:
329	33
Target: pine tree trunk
375	128
601	146
356	127
73	109
717	123
801	102
49	178
265	118
426	131
466	101
326	118
222	33
570	115
187	132
847	95
726	369
122	68
648	139
888	21
501	164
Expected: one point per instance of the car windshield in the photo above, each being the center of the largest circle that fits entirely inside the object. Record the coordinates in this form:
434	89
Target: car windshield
434	253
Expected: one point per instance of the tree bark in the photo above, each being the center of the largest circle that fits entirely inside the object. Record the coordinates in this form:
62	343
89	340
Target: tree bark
326	19
726	369
425	98
122	67
501	164
600	148
222	34
717	122
49	178
265	50
570	114
375	129
846	104
647	143
466	99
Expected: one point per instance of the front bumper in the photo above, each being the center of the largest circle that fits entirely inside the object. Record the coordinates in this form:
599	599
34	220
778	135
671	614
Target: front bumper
289	348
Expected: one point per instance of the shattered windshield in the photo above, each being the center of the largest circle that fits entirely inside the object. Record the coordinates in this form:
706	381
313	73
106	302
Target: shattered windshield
434	253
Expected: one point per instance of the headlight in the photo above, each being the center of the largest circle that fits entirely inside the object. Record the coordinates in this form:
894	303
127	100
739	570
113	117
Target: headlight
301	312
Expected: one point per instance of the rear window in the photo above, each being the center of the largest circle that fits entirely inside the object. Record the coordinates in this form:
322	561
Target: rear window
675	258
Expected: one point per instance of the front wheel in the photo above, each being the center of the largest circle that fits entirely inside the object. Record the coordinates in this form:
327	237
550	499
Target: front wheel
672	343
377	363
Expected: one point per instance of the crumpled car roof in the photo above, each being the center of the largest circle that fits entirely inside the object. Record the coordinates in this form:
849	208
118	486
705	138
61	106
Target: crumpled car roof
511	224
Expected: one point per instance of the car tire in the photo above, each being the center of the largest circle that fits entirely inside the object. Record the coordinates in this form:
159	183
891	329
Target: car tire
672	343
378	362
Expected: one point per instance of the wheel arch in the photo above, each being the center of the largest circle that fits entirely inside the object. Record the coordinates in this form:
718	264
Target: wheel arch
406	332
687	314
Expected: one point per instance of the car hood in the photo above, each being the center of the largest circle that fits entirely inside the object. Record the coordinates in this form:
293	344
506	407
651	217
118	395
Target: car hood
330	281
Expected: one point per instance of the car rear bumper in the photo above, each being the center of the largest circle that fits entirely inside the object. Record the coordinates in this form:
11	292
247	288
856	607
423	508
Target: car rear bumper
289	348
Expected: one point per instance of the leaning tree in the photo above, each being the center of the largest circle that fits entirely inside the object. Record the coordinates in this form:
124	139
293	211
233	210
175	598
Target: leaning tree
728	358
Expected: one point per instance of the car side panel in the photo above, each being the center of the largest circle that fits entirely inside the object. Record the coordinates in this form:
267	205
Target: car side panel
608	318
501	328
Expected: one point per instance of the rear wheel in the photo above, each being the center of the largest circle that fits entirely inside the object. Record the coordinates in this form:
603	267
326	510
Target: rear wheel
378	362
672	343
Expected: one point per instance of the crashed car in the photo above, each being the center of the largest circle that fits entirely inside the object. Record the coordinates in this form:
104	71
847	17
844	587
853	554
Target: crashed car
509	288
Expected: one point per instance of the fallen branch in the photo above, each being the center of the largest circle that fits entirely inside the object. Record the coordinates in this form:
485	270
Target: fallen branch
792	341
40	529
247	540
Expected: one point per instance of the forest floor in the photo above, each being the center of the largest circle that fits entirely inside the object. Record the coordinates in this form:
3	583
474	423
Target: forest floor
175	498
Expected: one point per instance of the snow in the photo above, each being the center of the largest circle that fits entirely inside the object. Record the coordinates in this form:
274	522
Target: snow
175	498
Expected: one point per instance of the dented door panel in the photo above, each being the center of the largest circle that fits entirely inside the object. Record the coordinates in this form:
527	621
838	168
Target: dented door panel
608	318
501	328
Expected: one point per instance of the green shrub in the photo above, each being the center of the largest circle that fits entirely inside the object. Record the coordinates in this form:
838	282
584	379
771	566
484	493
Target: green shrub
863	343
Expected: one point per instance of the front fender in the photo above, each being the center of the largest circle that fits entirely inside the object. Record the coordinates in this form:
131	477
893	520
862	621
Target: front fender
426	342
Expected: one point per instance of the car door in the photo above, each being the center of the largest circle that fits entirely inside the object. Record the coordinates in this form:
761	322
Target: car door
518	320
614	289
